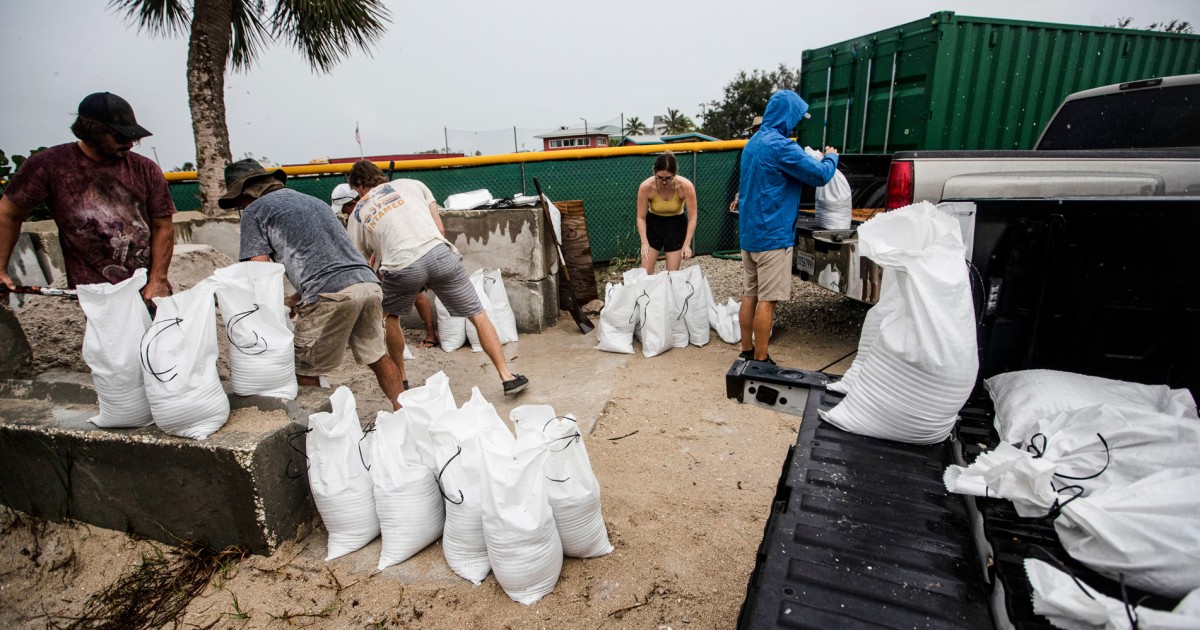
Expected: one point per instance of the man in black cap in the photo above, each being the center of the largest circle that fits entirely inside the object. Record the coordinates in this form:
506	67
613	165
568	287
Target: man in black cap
339	300
112	206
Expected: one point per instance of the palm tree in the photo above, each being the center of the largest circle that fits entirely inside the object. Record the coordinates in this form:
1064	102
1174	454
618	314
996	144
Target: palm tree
678	122
634	127
221	32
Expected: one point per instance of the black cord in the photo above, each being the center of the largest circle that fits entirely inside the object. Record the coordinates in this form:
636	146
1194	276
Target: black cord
145	354
287	470
237	319
843	358
441	488
369	429
1107	461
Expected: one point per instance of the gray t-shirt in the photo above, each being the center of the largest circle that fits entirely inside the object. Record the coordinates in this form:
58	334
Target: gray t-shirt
301	233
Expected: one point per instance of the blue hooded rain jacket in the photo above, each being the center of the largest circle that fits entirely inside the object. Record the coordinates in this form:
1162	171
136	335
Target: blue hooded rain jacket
773	169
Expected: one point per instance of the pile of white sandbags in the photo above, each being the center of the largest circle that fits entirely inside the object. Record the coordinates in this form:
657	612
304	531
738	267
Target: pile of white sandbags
455	332
670	309
512	506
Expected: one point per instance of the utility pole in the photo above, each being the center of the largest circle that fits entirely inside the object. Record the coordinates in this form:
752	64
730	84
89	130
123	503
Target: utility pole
515	149
446	139
586	139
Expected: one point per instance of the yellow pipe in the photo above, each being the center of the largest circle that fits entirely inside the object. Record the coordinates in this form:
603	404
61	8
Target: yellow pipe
504	158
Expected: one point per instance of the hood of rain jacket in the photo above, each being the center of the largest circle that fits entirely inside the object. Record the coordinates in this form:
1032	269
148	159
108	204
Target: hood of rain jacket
773	168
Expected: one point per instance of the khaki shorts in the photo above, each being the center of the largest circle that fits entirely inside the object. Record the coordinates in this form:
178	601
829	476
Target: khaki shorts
768	275
351	316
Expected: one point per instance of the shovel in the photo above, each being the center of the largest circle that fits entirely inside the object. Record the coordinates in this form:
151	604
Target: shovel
35	290
585	325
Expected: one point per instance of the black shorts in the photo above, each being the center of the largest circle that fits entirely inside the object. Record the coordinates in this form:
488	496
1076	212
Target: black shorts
666	233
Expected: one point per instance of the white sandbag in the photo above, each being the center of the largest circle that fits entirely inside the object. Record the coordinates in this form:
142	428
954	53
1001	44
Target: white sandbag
456	434
654	303
262	355
889	301
338	476
179	358
116	320
1025	398
472	334
724	318
833	204
1093	448
522	541
922	366
1148	531
633	275
573	490
1069	603
420	407
407	499
468	200
618	318
452	331
502	315
691	301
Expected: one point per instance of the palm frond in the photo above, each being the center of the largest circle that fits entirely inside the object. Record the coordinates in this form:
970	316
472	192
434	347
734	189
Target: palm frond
324	30
160	18
249	33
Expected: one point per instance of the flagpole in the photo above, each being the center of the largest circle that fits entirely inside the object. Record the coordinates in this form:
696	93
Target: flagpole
358	139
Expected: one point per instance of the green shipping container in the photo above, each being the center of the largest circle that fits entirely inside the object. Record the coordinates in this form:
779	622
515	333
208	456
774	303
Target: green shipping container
953	82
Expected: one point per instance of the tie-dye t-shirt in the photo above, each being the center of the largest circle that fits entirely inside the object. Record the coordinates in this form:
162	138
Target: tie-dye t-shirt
103	210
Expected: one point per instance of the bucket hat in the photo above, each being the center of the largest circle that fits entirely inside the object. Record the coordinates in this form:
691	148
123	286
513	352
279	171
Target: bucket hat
238	173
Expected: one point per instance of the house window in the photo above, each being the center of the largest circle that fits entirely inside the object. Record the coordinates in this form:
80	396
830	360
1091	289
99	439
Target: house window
554	144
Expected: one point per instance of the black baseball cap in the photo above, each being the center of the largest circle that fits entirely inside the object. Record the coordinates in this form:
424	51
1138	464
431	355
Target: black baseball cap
114	112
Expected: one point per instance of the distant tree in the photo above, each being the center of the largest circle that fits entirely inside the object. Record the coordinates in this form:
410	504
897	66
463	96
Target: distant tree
634	127
223	32
1172	26
429	151
186	167
745	97
678	122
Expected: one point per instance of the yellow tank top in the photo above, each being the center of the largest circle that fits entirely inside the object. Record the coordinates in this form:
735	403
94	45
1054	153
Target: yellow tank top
666	207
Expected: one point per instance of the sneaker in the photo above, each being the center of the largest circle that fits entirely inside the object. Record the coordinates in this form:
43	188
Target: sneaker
515	385
766	360
746	355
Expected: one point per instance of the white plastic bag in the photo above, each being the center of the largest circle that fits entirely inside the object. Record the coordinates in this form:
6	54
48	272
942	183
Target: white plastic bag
1026	398
725	319
617	320
522	541
502	315
116	320
262	355
654	304
179	357
456	434
573	490
833	204
691	301
468	200
340	482
472	334
1068	603
407	499
922	366
452	331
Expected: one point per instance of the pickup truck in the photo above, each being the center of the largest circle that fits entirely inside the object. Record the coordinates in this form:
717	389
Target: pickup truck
1137	139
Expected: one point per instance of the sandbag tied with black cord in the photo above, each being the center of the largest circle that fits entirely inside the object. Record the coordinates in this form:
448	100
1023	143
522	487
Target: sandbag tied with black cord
456	435
261	344
116	320
690	313
572	488
407	499
1069	603
179	361
339	475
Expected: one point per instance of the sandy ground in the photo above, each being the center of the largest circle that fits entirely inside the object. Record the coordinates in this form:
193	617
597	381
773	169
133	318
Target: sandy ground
687	477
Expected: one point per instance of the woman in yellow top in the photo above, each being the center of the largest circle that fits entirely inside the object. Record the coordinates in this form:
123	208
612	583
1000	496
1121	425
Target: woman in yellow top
662	221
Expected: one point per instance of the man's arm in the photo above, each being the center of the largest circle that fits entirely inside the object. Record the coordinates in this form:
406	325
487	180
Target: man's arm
162	246
11	218
437	217
798	165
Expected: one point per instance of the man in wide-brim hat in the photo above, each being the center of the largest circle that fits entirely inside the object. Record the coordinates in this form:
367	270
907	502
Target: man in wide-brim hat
338	299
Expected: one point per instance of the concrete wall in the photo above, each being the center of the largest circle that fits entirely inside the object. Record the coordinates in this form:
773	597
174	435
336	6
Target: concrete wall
514	240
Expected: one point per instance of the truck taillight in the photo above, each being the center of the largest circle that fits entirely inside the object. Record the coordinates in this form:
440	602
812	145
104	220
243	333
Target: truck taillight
899	185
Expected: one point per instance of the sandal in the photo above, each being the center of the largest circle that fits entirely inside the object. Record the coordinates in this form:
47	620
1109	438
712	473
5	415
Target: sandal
428	343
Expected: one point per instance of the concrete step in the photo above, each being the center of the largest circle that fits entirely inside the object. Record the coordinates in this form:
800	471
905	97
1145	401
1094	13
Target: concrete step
244	485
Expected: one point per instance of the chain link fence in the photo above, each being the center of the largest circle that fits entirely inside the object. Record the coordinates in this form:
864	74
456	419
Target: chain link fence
607	185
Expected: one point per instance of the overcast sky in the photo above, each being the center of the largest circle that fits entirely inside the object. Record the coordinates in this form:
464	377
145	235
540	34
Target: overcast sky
477	67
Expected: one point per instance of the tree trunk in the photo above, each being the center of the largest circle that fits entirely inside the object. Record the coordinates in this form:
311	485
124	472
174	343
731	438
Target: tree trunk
208	53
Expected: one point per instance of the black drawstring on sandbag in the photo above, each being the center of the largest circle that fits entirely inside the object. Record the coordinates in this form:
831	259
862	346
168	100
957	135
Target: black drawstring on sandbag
442	488
237	319
1057	507
570	437
287	470
639	322
144	356
1065	569
687	300
1039	451
369	429
1130	611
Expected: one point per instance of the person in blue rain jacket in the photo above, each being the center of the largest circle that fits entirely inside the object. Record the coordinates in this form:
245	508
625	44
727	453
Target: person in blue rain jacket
773	169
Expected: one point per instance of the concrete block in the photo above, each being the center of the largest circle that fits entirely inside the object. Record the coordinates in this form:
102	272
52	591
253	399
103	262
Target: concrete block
534	303
17	355
44	237
245	485
513	240
223	233
24	268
